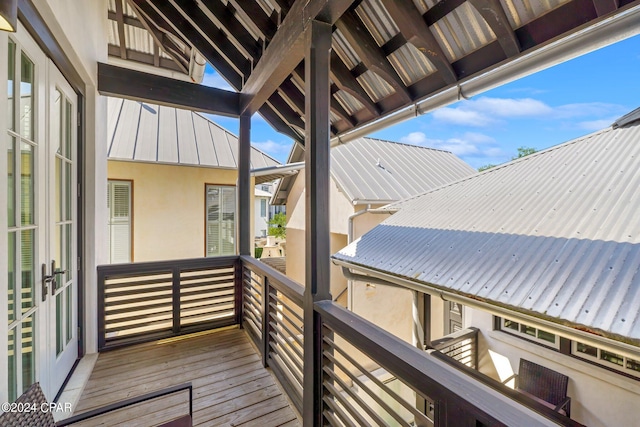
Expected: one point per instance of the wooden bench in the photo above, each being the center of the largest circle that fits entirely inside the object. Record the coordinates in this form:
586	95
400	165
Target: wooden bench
34	398
543	385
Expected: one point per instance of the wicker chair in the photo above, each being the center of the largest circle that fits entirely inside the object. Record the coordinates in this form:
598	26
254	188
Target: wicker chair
35	399
544	385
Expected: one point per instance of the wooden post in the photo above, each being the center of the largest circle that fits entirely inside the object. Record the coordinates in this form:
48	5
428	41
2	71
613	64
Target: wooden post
317	285
244	185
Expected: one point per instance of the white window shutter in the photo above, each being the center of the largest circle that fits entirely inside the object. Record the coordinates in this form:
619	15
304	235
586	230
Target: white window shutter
119	193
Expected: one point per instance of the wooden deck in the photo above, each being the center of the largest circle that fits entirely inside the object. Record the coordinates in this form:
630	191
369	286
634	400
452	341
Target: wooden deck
230	386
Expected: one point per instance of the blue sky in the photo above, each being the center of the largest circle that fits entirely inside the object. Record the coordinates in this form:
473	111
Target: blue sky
545	109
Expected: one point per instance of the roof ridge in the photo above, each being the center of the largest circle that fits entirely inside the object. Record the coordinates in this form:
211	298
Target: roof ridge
405	144
507	164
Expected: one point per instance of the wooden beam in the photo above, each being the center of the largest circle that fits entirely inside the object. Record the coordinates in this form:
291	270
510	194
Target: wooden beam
286	49
252	11
343	78
244	185
604	7
361	41
278	124
440	10
317	231
218	12
293	93
147	58
160	39
130	84
496	18
213	35
288	114
407	17
187	31
128	20
120	23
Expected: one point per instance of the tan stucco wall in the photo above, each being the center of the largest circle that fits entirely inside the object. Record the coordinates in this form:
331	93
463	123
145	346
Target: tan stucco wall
168	207
388	308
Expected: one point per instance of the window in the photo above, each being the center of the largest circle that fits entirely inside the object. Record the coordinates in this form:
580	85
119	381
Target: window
119	205
263	208
529	332
595	355
220	220
606	358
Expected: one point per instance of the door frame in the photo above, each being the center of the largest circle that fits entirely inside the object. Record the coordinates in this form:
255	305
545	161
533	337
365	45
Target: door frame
36	27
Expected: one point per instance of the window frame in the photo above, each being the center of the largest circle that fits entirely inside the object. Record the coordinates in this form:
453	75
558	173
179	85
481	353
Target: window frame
111	181
208	186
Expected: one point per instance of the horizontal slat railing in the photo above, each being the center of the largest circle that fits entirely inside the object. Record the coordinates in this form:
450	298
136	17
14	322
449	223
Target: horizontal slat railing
461	346
371	377
140	302
273	318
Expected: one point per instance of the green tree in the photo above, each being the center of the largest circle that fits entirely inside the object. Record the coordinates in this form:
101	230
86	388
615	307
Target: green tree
485	167
524	151
278	225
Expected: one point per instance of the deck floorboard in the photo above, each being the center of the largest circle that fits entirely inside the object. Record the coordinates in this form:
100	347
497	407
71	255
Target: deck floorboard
230	386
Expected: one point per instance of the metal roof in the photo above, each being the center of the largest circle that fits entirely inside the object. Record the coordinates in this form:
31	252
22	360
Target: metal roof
554	234
373	170
153	133
369	170
389	56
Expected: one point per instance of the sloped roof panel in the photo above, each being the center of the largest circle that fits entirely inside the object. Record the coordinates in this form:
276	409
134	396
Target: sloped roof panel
374	170
554	234
153	133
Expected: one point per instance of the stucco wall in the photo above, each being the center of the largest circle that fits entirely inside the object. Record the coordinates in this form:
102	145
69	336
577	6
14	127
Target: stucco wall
169	207
599	398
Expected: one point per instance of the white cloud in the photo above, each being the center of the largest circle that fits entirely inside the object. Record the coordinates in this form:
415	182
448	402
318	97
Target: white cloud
464	117
274	149
486	111
213	79
470	144
594	125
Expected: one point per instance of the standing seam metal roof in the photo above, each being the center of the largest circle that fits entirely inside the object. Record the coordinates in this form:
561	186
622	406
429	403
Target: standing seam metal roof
555	234
153	133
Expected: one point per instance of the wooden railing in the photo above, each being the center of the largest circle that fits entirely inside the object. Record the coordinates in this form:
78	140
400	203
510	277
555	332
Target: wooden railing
366	375
275	322
461	346
152	300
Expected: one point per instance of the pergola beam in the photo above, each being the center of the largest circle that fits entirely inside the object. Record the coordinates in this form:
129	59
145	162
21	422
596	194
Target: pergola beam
496	18
131	84
120	24
343	78
407	16
370	54
168	10
251	10
216	11
286	49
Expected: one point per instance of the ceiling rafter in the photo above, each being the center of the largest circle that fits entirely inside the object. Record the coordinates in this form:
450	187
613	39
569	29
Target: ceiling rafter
216	11
361	41
174	18
334	104
286	49
128	20
407	17
120	23
268	113
440	10
284	110
343	78
604	7
161	40
213	35
496	18
250	10
284	7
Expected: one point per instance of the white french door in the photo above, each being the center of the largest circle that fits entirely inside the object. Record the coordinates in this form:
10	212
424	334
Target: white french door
39	338
61	250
